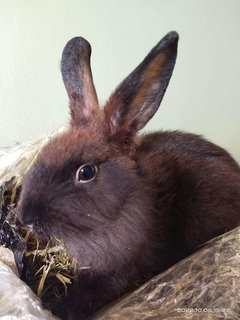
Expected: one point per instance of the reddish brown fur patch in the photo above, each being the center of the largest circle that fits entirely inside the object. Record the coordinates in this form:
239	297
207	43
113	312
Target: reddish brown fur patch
151	76
85	140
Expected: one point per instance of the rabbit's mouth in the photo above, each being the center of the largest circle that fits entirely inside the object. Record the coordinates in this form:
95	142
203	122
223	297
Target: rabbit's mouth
40	230
35	226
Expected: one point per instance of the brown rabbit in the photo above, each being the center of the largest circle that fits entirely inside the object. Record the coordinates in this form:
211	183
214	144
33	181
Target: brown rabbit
127	206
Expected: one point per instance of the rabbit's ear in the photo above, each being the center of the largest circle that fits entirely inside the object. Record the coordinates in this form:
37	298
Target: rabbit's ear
77	77
138	97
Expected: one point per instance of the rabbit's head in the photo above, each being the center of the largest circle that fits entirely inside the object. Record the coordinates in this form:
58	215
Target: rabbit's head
85	187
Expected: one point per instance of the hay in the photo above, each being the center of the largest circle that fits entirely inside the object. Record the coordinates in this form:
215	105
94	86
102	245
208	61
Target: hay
50	269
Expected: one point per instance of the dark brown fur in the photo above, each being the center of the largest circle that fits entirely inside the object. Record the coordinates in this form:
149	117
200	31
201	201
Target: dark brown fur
155	199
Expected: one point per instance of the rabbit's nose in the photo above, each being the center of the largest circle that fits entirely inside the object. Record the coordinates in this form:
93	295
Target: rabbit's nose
30	212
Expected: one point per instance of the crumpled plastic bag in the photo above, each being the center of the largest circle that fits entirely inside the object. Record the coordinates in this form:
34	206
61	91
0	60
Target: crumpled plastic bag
17	301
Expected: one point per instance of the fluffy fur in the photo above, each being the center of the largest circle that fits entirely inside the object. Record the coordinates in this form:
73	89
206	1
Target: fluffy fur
155	198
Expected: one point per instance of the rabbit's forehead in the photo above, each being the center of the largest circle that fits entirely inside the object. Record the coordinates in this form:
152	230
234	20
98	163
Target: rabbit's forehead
75	144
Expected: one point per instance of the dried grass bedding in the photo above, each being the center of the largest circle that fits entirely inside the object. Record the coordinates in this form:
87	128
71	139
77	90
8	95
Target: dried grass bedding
206	285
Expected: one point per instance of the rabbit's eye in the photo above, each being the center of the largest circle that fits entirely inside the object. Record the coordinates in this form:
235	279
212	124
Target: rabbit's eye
86	173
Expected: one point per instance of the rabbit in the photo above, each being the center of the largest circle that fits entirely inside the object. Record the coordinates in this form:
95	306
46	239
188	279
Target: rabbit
126	205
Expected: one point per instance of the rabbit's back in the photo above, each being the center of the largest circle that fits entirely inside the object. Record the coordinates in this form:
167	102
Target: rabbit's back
196	185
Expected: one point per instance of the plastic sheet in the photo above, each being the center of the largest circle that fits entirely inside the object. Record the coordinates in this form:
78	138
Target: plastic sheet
17	301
